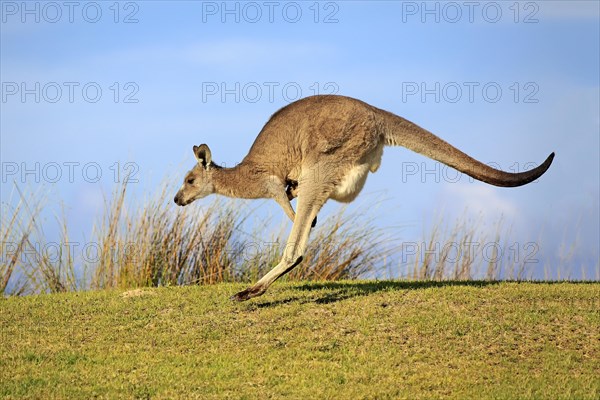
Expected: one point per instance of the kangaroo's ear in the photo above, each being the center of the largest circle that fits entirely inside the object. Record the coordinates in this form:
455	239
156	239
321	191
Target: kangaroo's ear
203	155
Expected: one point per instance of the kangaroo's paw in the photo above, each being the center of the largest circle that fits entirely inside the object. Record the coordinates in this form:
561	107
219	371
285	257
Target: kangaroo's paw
248	294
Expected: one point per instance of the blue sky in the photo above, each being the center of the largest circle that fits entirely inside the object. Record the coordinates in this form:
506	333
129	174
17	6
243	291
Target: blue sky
88	89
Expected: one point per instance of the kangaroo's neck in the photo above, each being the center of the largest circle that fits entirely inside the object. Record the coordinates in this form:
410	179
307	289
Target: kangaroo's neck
244	181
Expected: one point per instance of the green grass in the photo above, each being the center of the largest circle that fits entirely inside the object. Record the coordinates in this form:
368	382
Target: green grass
346	340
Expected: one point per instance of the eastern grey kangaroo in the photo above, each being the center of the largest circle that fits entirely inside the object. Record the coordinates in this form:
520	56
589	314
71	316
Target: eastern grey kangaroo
320	148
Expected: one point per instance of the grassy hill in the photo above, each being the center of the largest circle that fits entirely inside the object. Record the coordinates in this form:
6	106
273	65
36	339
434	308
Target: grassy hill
344	340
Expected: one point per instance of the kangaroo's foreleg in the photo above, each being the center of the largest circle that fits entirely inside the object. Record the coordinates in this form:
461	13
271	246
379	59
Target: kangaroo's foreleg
310	200
284	199
279	191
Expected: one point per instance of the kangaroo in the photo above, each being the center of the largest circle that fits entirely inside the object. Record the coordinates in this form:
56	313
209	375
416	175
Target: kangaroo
319	148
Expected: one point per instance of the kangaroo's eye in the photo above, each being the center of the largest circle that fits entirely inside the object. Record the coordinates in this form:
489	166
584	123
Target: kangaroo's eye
190	181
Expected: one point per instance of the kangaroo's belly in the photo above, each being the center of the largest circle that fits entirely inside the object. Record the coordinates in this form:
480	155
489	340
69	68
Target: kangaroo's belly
351	184
354	178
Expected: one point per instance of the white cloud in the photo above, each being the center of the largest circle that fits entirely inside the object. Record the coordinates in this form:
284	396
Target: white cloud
247	51
91	199
225	53
479	197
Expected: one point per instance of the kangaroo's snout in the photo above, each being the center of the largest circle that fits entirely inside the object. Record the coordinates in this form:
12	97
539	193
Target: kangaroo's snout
177	200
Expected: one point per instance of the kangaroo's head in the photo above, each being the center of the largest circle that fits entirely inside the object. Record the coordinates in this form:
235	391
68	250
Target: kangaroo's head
198	182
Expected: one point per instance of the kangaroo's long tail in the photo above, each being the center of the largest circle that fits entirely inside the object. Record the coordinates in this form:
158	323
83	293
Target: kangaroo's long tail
401	132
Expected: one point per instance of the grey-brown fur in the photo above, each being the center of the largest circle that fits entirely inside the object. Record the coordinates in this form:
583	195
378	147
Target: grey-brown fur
321	148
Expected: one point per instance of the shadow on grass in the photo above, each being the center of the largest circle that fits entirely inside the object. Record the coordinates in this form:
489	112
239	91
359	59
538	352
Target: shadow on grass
342	291
338	291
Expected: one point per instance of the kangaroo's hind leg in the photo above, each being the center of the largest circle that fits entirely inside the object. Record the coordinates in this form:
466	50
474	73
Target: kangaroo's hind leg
311	197
292	192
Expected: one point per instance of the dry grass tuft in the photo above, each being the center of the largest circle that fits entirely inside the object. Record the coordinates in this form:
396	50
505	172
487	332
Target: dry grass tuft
154	243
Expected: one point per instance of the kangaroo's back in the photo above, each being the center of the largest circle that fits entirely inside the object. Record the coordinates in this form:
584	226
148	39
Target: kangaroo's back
322	124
